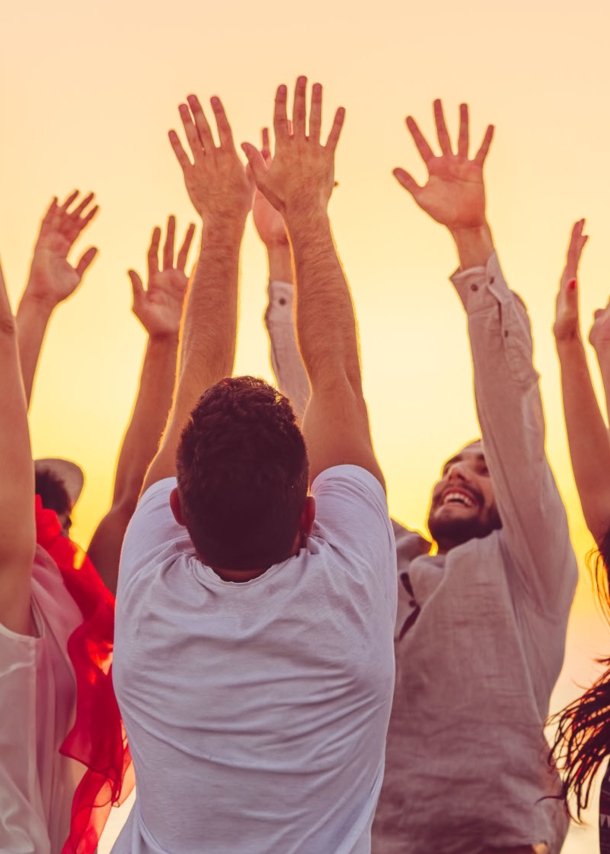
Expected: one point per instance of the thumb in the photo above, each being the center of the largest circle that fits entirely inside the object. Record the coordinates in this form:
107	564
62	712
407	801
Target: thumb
256	163
85	260
407	181
137	288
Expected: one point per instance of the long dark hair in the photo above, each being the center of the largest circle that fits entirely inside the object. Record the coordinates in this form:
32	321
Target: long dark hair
582	741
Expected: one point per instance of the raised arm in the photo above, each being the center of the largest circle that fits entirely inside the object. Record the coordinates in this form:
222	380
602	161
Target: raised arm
286	361
17	525
159	309
298	184
587	434
221	192
506	384
52	278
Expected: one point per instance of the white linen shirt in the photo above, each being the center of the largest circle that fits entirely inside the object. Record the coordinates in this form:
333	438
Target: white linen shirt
480	633
257	712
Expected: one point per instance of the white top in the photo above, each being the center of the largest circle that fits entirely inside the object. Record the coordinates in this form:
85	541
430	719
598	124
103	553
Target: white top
37	707
257	712
480	633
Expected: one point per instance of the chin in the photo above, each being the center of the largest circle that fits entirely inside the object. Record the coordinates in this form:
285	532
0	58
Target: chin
454	529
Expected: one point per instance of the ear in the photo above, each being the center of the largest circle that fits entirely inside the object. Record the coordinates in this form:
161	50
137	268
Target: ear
308	516
174	503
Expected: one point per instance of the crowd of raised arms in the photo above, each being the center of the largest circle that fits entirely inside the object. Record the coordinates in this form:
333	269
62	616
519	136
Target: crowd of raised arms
293	672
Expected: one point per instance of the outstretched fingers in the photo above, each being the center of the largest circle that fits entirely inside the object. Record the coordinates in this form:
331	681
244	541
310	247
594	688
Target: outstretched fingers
153	252
299	109
225	134
315	115
484	149
464	132
419	139
181	155
168	246
335	131
280	115
441	128
184	249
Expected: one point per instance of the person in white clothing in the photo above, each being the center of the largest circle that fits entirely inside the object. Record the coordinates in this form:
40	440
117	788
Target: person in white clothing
481	624
254	632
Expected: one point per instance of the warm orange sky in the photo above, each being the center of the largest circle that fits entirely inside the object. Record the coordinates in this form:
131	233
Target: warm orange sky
88	92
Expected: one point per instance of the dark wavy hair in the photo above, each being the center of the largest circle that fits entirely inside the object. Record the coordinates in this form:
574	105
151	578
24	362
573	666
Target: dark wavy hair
52	491
243	475
582	740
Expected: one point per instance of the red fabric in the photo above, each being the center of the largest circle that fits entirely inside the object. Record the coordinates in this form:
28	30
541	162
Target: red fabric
97	739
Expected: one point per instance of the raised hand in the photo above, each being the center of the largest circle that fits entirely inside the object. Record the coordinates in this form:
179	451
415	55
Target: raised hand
268	221
52	277
216	181
301	175
567	325
454	194
159	306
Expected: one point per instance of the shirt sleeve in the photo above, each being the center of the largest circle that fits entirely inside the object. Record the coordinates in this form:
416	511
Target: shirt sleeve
352	517
290	374
152	531
509	406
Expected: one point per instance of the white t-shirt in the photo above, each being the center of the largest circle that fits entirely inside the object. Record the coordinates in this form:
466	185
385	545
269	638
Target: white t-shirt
257	712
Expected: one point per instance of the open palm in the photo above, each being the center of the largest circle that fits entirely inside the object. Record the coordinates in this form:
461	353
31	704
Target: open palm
52	276
159	306
454	194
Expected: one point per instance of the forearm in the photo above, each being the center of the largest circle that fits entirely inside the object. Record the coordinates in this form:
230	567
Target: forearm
587	436
603	359
207	348
139	446
290	374
33	316
279	262
325	316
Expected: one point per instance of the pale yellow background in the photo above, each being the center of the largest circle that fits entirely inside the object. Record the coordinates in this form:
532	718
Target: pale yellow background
89	90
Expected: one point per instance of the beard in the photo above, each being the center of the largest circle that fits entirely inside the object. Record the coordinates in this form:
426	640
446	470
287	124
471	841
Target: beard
449	533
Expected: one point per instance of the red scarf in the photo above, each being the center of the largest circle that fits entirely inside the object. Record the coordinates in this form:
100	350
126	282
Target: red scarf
97	739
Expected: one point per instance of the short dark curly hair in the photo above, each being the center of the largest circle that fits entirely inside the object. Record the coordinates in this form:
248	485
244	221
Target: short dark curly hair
243	475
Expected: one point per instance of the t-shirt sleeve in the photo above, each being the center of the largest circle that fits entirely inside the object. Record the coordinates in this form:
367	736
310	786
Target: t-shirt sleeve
352	517
153	530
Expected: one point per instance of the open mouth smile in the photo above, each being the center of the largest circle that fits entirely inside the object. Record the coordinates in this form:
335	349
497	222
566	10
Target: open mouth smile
454	496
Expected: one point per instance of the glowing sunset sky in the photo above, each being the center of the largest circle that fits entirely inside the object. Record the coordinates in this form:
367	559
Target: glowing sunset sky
88	92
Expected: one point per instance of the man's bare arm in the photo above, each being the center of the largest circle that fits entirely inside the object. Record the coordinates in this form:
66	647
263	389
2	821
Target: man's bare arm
298	184
221	192
159	310
52	278
17	525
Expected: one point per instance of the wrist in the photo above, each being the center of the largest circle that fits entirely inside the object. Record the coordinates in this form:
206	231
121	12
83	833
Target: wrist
569	343
41	303
279	261
474	245
300	216
167	340
223	224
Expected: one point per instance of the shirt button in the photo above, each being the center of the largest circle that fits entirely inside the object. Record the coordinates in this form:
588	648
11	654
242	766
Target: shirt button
282	300
492	279
474	287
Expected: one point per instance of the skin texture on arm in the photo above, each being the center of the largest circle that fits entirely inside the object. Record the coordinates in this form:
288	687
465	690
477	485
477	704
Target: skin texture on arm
298	184
221	192
52	278
290	374
587	434
17	523
159	310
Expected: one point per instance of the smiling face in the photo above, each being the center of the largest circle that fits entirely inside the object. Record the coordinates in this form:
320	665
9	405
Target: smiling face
463	502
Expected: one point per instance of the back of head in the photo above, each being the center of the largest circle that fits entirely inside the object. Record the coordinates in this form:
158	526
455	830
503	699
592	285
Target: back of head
52	491
242	475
